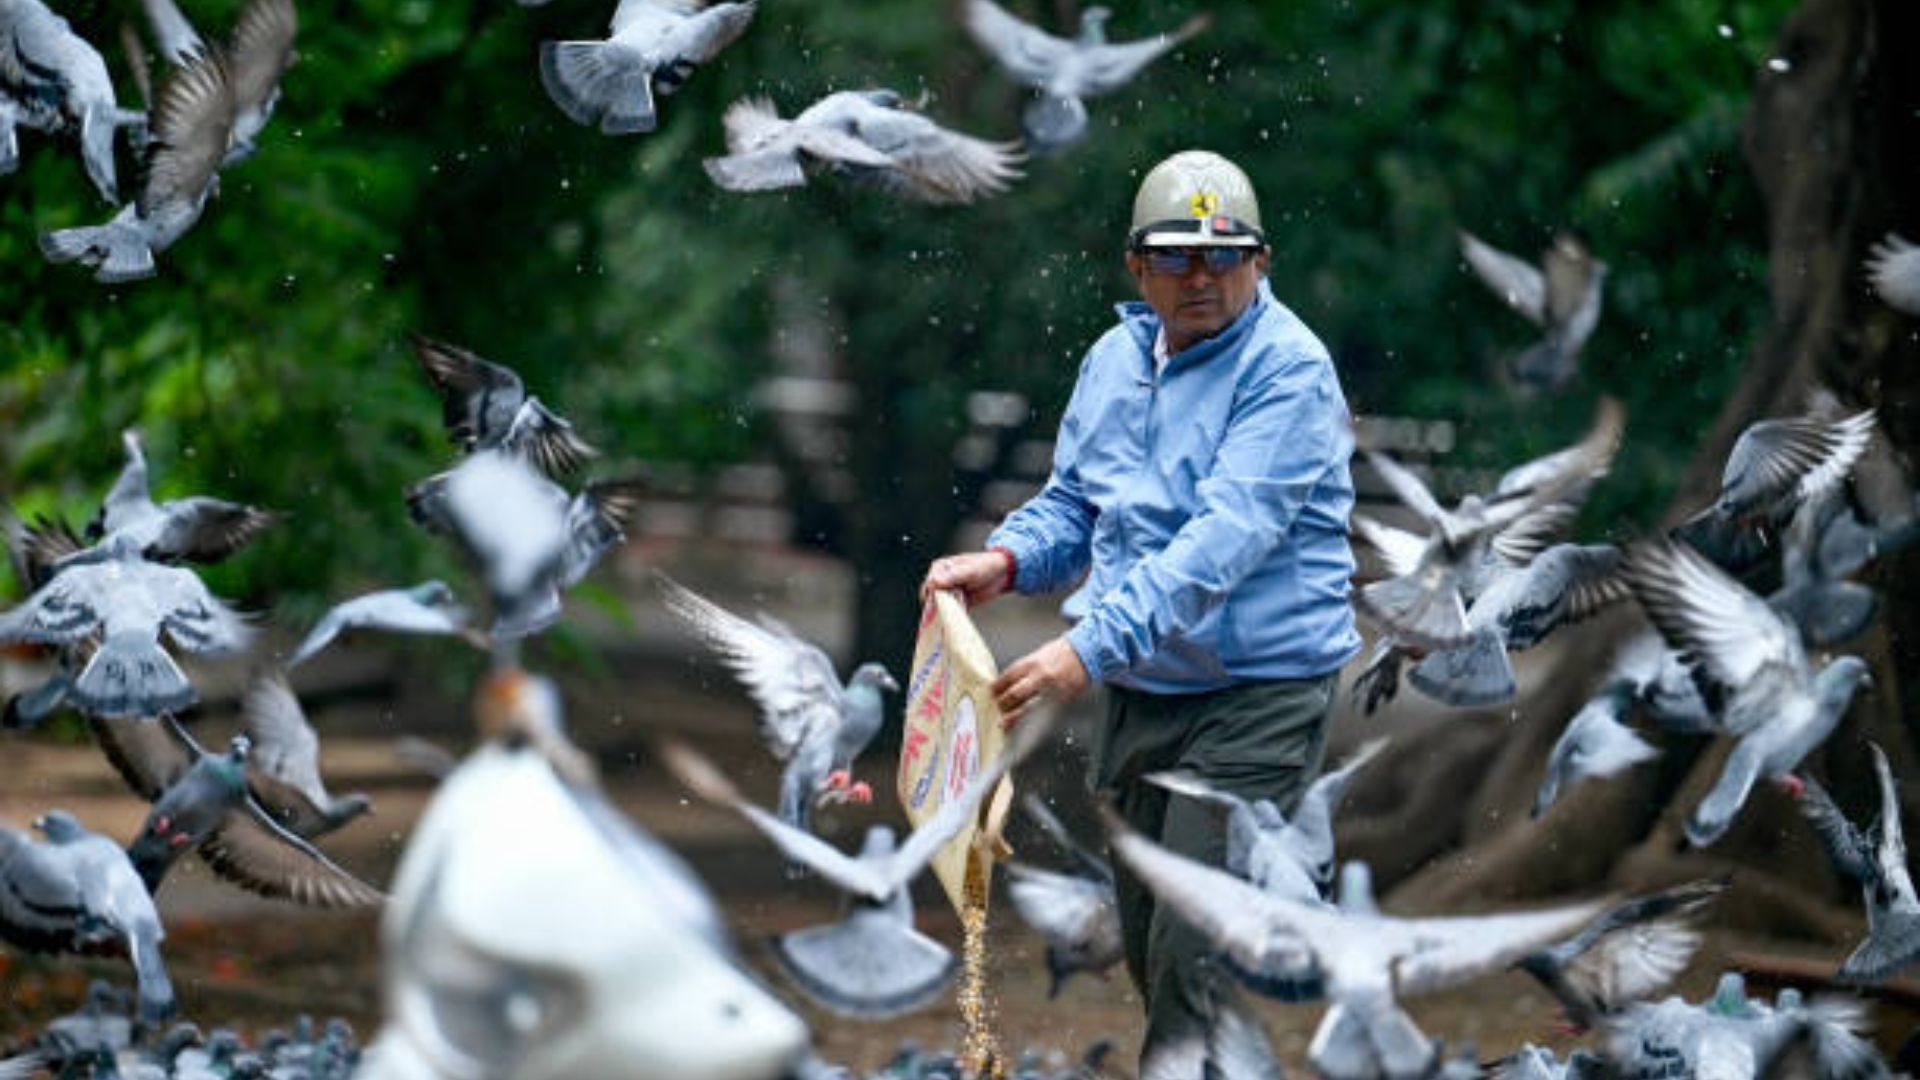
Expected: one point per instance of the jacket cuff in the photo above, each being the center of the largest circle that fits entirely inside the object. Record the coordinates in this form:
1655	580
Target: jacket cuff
1100	664
1020	559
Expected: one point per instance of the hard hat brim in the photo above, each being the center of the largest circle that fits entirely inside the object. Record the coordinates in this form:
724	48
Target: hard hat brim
1164	238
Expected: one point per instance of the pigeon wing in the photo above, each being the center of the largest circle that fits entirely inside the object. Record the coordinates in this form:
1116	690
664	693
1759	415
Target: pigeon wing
1106	68
472	391
1028	53
1801	457
1399	549
1513	279
547	439
261	51
1439	952
933	834
1535	504
286	751
205	530
60	612
945	166
1408	488
37	546
1890	853
1058	832
190	127
1895	270
1060	906
1729	636
194	618
253	852
150	755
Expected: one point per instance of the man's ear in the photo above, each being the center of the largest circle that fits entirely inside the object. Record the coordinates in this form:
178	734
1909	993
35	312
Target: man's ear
1261	260
1138	268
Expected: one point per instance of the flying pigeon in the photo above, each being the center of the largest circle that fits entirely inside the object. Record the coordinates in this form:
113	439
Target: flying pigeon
191	125
815	727
128	602
1752	670
1596	743
1827	610
283	768
256	60
52	80
1066	70
427	608
1626	955
201	803
1078	914
1664	685
196	529
35	549
653	44
1877	860
77	892
1365	959
1561	296
486	407
1895	270
868	137
1424	603
872	963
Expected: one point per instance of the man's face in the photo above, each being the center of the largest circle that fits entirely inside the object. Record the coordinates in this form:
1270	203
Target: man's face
1195	302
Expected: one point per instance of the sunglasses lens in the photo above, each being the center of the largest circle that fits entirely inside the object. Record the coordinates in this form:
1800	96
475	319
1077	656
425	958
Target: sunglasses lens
1168	262
1218	260
1222	259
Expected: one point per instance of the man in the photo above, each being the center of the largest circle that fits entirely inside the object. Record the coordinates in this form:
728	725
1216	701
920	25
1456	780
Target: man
1200	482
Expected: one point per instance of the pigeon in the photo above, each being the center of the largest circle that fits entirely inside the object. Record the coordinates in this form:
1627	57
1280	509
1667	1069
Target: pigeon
1365	959
486	407
1663	684
1561	296
653	44
257	58
283	767
868	137
191	123
1895	270
128	602
78	892
1752	669
52	80
197	529
1078	914
872	963
1064	71
516	708
1730	1035
1877	860
815	727
1595	743
1234	1046
1424	603
1532	1062
36	548
201	803
1625	955
1826	609
100	1030
427	608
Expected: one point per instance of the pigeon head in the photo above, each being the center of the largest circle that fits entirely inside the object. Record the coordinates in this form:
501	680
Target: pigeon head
883	97
239	748
1356	889
432	593
517	706
1787	1000
59	826
878	844
874	675
1093	25
1730	996
1836	684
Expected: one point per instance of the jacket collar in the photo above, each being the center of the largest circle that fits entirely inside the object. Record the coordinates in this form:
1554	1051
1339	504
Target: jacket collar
1144	326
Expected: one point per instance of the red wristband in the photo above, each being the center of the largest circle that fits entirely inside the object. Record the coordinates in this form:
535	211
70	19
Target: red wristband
1013	565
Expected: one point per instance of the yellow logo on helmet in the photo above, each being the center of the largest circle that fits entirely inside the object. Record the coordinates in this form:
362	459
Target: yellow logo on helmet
1203	204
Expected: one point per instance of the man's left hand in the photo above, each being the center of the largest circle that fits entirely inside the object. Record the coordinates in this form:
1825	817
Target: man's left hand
1052	671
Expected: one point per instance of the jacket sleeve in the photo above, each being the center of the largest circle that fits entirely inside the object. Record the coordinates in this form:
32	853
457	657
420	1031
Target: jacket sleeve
1051	534
1286	432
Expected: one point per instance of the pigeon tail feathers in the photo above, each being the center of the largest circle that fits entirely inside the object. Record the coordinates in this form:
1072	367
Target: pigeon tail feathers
600	84
131	675
118	252
1480	674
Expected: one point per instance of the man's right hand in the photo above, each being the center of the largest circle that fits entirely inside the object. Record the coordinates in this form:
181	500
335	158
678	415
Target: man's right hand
979	576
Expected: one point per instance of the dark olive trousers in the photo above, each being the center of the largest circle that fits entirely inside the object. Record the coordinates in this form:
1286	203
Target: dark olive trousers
1258	741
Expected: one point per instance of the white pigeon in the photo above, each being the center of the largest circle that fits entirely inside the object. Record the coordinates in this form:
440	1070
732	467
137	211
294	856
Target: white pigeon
427	608
1561	296
1895	270
1595	743
653	45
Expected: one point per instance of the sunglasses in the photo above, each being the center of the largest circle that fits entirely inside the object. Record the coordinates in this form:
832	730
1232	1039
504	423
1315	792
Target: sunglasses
1177	260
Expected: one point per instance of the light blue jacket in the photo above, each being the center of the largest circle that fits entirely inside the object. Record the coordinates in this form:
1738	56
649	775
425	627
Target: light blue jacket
1207	503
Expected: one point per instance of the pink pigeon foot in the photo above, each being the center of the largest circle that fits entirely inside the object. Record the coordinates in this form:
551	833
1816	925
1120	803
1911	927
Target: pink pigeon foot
860	793
1795	786
837	779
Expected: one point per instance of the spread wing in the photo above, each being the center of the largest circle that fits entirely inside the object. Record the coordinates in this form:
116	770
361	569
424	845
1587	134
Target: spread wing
190	126
1556	486
1512	279
261	51
1439	952
1028	53
945	166
60	612
472	391
205	530
193	617
149	754
1399	549
251	851
285	749
1802	456
1106	68
547	439
1729	635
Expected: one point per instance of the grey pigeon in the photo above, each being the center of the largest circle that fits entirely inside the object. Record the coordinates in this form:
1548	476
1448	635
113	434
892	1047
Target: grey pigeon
652	45
1078	914
868	137
283	767
93	1036
1065	70
1752	669
78	892
1895	270
1731	1036
1424	603
1366	959
35	548
815	727
1877	860
258	56
197	529
191	126
1532	1062
872	963
1827	610
1561	296
129	602
486	407
1233	1046
1595	743
1628	954
427	608
1664	684
201	803
52	80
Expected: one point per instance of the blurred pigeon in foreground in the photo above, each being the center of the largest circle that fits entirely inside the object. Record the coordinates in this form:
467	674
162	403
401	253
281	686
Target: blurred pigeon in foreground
1234	1046
1732	1036
1895	269
1877	860
256	59
485	406
1627	954
1532	1062
1561	296
872	963
129	602
1078	914
1366	959
653	44
1595	743
77	892
1066	70
191	125
516	708
283	768
201	803
1752	670
427	608
195	529
815	727
867	137
100	1030
52	80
